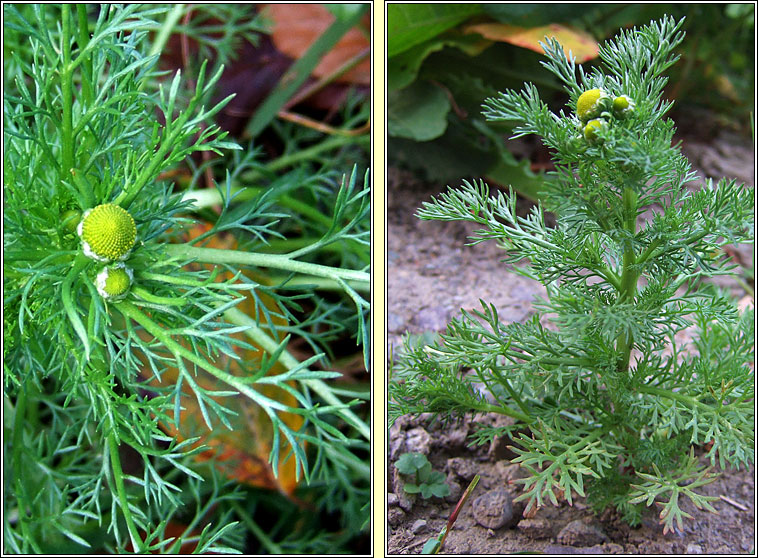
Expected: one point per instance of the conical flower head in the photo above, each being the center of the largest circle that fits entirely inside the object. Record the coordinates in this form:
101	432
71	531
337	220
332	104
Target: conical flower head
623	106
108	233
591	104
113	282
592	128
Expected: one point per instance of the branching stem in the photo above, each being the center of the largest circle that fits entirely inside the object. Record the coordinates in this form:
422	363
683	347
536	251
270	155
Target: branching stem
129	310
67	98
675	396
629	274
118	479
275	261
507	411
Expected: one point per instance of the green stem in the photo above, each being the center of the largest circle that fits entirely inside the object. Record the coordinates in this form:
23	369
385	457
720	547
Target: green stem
507	411
130	311
70	306
118	479
507	385
34	256
165	30
321	284
649	251
82	40
67	136
691	401
609	276
261	535
154	299
274	261
550	361
169	141
18	434
629	275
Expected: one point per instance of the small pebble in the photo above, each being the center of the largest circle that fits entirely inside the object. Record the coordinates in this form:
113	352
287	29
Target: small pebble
418	526
694	548
418	440
395	516
579	533
455	491
404	500
432	319
535	528
464	469
392	499
494	509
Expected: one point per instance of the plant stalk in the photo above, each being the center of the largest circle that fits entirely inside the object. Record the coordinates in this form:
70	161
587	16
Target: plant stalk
67	99
629	275
118	479
274	261
82	40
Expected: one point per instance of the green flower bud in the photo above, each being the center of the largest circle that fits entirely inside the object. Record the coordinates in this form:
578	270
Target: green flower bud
70	220
591	103
622	106
113	282
108	233
591	129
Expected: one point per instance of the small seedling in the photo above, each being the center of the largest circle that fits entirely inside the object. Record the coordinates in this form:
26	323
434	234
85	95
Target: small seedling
434	545
425	481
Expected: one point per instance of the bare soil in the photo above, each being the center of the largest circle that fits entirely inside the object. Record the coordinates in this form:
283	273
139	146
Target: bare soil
431	276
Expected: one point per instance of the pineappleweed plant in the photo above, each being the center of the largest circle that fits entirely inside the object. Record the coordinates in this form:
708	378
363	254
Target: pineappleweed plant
103	294
608	402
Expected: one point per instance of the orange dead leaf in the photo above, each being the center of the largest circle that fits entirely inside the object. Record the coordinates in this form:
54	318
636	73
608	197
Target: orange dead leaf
581	44
297	26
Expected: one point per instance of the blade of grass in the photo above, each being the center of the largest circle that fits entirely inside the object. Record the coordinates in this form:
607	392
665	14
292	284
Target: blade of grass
299	72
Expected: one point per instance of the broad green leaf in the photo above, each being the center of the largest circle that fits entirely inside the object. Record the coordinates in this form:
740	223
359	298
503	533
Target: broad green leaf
409	463
431	546
411	24
418	112
427	491
425	472
411	488
508	171
440	490
403	68
344	11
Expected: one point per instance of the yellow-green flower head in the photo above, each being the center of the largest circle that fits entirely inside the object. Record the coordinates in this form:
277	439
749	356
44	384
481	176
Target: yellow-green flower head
591	103
113	282
623	106
591	129
108	233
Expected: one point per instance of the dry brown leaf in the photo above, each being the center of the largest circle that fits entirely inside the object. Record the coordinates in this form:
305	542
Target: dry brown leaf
581	44
297	26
